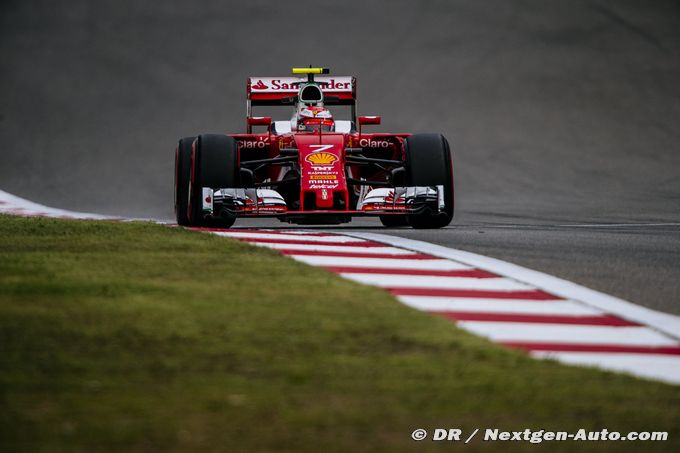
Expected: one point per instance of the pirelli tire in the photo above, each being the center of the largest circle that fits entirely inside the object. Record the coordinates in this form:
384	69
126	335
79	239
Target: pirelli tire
214	164
429	162
182	178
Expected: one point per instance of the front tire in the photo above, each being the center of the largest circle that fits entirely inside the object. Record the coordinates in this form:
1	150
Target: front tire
182	177
429	163
213	164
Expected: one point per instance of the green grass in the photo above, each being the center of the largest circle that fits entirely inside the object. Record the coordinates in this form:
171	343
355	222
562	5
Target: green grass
138	337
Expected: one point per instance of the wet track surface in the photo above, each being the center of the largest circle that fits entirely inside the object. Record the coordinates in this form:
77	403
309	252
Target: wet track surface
563	116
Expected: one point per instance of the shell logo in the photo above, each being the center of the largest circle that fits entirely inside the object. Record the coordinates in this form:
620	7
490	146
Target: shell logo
322	158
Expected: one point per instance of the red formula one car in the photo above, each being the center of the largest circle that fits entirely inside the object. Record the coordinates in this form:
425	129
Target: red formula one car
313	168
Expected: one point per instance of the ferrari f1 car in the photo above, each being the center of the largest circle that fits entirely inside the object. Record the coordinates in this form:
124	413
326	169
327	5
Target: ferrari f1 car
313	168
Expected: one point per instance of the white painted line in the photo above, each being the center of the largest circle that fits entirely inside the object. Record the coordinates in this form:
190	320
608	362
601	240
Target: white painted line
663	322
656	366
10	204
284	237
382	263
509	306
426	281
525	226
609	225
336	248
567	333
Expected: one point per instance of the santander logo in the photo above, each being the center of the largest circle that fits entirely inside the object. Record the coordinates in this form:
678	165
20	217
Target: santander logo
339	84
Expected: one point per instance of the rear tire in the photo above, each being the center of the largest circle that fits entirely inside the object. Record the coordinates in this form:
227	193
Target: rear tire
429	163
393	221
182	176
213	164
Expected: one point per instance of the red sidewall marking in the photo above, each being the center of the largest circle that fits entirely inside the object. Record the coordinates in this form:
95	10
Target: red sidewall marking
487	294
471	273
597	320
413	256
303	242
604	348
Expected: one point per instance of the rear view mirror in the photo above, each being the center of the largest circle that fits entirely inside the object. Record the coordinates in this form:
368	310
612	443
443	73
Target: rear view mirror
364	120
259	121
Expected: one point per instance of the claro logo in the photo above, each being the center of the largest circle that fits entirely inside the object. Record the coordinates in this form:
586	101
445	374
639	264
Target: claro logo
250	144
368	143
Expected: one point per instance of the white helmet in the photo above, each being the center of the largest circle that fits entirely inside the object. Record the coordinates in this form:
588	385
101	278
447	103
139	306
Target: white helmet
313	119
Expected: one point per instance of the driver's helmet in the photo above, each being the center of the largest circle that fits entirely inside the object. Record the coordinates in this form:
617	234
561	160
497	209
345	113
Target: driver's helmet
313	119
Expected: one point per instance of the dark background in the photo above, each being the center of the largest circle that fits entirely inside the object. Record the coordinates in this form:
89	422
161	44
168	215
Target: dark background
559	113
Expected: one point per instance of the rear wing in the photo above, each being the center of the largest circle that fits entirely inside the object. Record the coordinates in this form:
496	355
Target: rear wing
337	90
271	91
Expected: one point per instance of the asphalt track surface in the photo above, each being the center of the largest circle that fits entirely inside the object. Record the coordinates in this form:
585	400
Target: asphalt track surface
564	116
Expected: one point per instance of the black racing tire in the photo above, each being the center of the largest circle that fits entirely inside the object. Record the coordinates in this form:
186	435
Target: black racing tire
214	164
393	221
429	163
182	177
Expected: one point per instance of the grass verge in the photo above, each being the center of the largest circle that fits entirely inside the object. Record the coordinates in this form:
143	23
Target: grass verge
138	337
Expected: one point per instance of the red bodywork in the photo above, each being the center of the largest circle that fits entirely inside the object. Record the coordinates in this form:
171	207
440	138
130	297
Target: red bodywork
322	164
322	159
293	173
311	169
322	169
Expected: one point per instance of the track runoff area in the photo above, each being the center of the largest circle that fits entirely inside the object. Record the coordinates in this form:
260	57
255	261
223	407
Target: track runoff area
513	306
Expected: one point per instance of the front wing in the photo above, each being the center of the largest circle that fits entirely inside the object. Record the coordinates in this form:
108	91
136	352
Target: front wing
238	202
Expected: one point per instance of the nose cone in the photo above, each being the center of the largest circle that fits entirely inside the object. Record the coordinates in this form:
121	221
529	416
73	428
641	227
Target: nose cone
322	171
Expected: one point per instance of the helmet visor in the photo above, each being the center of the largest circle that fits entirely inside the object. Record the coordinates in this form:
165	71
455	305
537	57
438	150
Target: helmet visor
315	126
